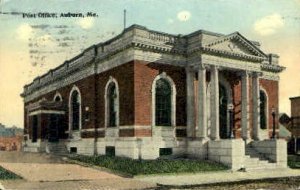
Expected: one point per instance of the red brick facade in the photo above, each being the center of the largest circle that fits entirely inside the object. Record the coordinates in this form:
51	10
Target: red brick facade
135	85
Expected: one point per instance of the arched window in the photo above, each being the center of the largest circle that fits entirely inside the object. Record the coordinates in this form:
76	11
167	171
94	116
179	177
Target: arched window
263	109
111	103
57	97
163	107
75	104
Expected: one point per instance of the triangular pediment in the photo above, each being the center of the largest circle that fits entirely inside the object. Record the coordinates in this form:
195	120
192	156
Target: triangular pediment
235	44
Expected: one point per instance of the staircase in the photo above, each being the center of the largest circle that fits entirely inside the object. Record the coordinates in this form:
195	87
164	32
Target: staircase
254	160
57	148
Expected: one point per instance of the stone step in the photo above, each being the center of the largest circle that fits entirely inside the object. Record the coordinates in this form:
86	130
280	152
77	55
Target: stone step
254	153
57	148
257	164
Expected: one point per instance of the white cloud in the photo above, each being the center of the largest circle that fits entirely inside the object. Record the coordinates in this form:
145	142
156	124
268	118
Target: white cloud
184	16
24	32
269	25
86	23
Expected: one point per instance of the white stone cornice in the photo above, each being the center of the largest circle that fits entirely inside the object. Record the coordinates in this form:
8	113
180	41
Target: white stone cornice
46	112
59	83
230	63
105	65
272	68
270	76
225	53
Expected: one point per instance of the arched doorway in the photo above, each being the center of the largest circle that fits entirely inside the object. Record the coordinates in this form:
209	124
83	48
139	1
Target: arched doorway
223	119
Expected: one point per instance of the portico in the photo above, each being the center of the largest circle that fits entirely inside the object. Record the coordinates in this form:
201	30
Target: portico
209	108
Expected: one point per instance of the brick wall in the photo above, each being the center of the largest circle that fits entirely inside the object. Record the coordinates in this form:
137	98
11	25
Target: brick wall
144	75
295	107
272	90
88	88
135	80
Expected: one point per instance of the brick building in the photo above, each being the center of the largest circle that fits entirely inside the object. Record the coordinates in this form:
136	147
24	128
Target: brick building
295	123
143	94
13	143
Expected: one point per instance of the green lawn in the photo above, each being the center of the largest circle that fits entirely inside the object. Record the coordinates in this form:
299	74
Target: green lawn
142	167
294	161
4	174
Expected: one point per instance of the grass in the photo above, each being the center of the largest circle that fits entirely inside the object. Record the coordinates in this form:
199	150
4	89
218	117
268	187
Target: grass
144	167
294	161
4	174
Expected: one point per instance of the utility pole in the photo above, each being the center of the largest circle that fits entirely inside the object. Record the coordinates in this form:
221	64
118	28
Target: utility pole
124	19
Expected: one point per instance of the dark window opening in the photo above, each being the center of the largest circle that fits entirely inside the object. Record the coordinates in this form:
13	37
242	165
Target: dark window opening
112	105
73	150
34	128
223	102
165	151
57	99
110	151
263	106
162	103
75	110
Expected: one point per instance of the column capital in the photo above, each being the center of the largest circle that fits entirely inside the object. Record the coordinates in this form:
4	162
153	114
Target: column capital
201	67
214	67
243	73
189	68
256	74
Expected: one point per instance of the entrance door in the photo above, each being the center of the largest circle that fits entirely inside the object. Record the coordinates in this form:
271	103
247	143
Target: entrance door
34	128
53	128
223	101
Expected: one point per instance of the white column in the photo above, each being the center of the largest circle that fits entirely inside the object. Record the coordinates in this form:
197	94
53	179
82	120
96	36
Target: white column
245	106
255	105
202	117
214	77
190	106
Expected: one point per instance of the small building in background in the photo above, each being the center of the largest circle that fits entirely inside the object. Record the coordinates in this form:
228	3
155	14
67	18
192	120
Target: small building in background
295	122
10	138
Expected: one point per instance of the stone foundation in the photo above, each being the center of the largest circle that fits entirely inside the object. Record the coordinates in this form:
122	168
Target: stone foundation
230	152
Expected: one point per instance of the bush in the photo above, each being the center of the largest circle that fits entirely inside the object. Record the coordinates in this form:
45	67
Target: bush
4	174
136	167
294	161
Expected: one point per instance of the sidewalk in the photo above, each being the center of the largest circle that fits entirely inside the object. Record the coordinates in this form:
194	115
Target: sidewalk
46	172
100	184
216	177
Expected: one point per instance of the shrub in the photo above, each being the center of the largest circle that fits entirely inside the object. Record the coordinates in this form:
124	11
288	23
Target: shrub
136	167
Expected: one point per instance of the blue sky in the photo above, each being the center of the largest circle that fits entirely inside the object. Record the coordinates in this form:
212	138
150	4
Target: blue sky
274	23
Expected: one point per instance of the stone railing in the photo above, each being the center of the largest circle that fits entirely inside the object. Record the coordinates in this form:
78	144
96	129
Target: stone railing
65	68
230	152
274	149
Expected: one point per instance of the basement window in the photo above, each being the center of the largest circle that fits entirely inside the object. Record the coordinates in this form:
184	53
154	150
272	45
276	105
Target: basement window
165	151
110	151
73	150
